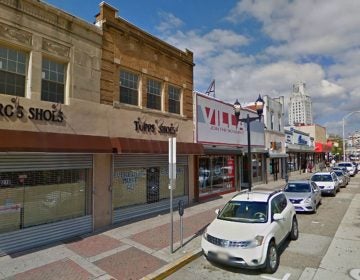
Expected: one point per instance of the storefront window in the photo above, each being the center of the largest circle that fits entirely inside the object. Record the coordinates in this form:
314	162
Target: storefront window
216	173
38	197
134	186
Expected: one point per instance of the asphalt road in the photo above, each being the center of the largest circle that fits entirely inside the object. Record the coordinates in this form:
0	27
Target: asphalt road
316	233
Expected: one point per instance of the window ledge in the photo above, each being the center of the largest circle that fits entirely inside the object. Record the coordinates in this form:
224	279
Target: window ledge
118	105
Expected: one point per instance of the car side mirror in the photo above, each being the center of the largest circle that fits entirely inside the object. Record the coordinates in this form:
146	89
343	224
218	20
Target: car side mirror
217	211
278	217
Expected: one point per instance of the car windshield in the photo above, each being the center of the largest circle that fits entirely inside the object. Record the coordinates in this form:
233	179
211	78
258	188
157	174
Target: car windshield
297	187
338	173
345	164
245	212
322	178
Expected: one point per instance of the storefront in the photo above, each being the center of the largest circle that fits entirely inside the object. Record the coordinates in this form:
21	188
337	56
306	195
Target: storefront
140	183
224	167
46	188
300	148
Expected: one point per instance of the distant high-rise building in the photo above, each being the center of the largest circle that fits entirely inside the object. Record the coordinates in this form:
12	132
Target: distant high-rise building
300	106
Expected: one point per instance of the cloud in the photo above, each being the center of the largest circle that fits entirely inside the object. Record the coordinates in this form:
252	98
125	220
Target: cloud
304	27
168	22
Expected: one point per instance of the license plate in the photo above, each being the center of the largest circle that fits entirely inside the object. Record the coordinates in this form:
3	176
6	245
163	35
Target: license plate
222	256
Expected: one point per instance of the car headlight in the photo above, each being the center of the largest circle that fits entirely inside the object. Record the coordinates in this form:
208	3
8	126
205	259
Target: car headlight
205	233
307	200
257	241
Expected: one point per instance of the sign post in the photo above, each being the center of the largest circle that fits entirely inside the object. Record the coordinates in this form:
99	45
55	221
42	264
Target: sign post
172	185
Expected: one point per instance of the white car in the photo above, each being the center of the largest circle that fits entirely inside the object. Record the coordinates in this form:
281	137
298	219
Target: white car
247	232
349	166
327	182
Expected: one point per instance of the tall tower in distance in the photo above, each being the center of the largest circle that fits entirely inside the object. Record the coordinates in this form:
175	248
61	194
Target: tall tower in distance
300	106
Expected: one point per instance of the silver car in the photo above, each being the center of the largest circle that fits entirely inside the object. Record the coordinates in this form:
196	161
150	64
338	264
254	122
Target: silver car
343	180
327	182
304	195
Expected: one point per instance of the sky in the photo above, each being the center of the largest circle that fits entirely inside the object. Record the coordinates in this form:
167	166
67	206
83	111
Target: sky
253	47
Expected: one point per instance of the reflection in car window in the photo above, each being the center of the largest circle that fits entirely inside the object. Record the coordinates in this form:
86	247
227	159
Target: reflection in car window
244	211
297	187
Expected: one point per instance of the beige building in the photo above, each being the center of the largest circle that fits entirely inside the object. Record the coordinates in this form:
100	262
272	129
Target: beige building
85	115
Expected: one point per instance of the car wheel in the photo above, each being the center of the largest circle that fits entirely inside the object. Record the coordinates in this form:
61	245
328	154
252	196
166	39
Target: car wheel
315	208
294	233
272	258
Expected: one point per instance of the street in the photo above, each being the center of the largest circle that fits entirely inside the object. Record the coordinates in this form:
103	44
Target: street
299	259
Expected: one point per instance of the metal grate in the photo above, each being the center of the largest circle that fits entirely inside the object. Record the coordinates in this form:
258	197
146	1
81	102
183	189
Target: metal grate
227	243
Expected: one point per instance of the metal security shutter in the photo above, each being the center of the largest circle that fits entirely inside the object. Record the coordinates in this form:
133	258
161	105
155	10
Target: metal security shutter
122	161
29	162
39	235
128	213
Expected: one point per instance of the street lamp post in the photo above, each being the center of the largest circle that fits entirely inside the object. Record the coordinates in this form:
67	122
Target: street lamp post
259	104
346	116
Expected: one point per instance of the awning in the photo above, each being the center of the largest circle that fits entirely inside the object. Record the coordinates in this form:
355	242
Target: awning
223	150
322	148
278	155
122	145
30	141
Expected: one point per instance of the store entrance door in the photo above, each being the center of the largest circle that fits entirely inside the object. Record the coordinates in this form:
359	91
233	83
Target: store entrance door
152	184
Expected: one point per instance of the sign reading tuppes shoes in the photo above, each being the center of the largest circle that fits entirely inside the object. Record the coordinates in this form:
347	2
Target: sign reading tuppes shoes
158	126
15	110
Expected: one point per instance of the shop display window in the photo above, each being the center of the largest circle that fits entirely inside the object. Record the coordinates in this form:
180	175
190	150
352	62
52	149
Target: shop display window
216	173
135	186
32	198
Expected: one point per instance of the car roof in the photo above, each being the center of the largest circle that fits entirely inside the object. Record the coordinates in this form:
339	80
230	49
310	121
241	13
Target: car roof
323	173
298	182
261	196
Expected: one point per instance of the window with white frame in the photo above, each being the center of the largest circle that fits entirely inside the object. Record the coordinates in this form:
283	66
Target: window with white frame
12	71
154	94
53	81
174	99
129	88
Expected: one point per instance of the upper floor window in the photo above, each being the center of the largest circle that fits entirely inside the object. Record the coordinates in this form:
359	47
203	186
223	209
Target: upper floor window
12	71
154	94
174	100
53	81
129	88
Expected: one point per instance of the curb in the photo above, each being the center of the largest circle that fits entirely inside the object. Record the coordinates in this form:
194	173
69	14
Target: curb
171	268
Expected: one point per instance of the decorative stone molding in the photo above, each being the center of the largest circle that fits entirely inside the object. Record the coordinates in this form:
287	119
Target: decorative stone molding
55	48
15	34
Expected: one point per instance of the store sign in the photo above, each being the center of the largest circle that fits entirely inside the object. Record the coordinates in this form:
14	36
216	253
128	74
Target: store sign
216	124
275	145
159	126
38	114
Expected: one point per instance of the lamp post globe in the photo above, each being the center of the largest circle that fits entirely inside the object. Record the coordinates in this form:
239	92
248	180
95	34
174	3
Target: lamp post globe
259	105
237	108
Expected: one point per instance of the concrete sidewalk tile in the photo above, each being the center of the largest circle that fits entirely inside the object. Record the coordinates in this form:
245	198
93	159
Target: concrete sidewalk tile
323	274
169	269
93	245
88	266
159	237
130	264
108	253
342	255
60	270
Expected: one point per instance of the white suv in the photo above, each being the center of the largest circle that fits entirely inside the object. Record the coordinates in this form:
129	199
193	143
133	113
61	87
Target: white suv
249	229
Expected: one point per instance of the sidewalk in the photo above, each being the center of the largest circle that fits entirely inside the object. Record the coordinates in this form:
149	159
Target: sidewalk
138	250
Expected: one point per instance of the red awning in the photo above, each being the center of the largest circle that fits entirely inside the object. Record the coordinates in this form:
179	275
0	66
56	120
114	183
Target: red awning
322	148
122	145
30	141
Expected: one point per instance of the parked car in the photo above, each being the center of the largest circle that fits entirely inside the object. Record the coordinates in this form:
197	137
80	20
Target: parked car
327	182
349	166
304	195
343	179
247	232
